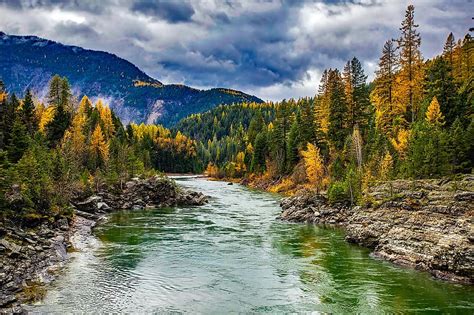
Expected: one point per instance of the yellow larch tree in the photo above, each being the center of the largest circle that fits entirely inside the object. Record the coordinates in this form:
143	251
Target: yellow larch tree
400	143
408	91
99	147
85	105
45	115
382	94
314	165
433	113
386	166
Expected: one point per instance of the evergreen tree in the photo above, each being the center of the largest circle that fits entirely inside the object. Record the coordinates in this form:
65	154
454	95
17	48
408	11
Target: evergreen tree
7	119
448	50
28	113
259	153
356	94
294	141
55	91
56	128
19	141
440	84
256	126
59	96
280	137
337	111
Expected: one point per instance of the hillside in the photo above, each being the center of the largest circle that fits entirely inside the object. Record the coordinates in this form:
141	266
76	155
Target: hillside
30	62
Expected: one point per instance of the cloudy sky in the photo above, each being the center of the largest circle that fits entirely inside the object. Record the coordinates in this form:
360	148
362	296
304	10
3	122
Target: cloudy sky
272	49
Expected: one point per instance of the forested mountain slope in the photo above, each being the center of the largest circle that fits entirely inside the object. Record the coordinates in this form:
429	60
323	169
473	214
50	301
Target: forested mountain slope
30	62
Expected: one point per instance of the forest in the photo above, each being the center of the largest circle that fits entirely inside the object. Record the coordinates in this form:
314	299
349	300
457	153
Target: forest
415	120
50	153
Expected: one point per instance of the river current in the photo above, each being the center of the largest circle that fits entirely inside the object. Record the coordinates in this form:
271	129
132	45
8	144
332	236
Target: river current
231	256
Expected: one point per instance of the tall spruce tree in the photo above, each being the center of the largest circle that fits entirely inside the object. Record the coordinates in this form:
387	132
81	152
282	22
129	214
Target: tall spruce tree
28	114
337	132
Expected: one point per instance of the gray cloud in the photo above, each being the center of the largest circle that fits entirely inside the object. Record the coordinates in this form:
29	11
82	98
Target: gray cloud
172	11
274	49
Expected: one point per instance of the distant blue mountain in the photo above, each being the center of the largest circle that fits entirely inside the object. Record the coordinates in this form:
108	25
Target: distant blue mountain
30	62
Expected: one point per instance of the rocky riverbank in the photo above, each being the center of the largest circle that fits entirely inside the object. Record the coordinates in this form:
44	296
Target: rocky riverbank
31	258
424	224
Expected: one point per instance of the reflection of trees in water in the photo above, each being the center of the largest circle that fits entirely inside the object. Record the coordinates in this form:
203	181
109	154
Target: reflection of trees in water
345	279
126	234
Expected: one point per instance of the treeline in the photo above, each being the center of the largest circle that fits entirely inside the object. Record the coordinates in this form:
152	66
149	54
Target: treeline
415	120
50	152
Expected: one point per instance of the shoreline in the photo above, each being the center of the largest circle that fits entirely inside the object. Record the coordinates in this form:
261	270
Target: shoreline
32	259
425	225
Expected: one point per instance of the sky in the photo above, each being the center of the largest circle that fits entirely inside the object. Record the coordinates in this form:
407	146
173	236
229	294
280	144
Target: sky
271	49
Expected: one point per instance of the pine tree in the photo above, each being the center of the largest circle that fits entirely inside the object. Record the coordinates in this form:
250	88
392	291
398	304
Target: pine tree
55	91
28	113
382	95
440	84
8	117
337	132
356	94
3	114
256	126
260	153
448	50
19	141
280	137
409	91
59	96
58	125
294	141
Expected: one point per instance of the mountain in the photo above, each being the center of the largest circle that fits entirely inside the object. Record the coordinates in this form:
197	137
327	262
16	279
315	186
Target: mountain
30	62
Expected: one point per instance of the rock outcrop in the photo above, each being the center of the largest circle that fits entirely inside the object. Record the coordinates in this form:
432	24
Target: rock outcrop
425	224
29	259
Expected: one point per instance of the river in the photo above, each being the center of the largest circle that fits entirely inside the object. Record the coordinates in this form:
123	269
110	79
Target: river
231	255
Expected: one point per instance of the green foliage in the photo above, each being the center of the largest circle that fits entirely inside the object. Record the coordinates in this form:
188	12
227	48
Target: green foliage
337	192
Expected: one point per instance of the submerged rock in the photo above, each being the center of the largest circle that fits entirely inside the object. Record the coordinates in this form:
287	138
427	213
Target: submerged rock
425	224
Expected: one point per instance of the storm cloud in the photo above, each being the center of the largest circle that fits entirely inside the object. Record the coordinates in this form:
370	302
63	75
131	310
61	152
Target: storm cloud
273	49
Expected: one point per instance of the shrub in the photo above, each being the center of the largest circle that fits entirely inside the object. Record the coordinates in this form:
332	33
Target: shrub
338	192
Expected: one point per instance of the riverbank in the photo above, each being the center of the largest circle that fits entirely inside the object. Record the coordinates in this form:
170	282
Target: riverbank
423	224
31	258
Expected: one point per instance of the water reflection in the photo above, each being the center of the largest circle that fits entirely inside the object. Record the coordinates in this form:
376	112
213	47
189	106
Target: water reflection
233	256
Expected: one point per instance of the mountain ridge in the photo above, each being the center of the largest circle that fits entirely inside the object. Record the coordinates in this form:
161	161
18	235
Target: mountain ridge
30	61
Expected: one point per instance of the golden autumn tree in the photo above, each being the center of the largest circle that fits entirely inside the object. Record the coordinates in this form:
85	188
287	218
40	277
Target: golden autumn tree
322	104
44	115
74	138
99	147
400	142
386	166
240	166
433	113
382	94
106	117
409	89
314	165
85	105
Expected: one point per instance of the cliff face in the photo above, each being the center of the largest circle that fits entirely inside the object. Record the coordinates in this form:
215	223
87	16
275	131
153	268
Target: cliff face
425	224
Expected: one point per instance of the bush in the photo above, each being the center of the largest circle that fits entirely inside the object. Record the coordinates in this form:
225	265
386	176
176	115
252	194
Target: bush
338	192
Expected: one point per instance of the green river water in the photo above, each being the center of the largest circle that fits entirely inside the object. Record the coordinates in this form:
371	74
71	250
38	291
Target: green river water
231	256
